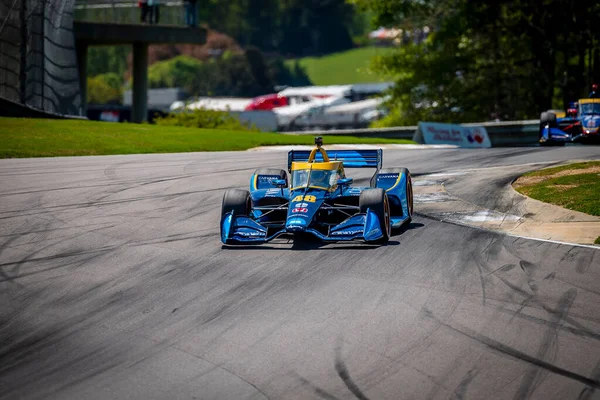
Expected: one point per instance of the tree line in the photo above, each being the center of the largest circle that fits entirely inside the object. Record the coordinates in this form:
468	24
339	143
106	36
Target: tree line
289	27
507	59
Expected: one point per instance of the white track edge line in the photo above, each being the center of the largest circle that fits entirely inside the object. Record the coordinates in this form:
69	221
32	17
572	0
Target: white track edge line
588	246
504	233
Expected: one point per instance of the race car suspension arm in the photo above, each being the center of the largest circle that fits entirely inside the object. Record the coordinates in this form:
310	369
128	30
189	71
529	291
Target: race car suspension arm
341	208
271	209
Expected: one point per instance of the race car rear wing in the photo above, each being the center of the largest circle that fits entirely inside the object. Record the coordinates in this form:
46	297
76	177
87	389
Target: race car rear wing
350	158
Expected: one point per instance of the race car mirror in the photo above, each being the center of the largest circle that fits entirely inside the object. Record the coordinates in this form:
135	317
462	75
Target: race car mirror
279	183
345	181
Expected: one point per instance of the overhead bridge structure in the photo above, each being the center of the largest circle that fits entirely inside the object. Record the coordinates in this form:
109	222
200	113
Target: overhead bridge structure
44	46
105	23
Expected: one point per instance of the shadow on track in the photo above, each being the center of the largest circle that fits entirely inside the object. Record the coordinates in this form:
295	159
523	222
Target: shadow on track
407	227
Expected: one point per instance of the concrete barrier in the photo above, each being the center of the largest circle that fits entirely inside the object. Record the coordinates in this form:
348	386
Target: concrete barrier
506	133
266	121
512	133
399	132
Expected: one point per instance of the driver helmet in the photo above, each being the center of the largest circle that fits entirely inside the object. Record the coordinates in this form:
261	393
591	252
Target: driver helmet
319	178
572	110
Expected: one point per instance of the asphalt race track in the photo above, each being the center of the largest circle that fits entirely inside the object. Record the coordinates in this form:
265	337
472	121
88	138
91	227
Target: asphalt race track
114	285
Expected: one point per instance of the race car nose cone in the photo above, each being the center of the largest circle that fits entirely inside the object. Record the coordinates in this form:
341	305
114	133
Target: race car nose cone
295	225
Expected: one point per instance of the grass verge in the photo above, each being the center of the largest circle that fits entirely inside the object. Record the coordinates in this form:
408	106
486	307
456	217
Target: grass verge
574	186
20	137
342	68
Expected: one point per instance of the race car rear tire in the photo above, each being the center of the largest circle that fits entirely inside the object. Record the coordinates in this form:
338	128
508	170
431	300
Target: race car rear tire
409	188
273	171
547	118
236	200
377	201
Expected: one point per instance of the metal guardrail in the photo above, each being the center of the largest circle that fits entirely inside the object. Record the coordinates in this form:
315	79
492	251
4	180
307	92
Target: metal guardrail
126	11
506	133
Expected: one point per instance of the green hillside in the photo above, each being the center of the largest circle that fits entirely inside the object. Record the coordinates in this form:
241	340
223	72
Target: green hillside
22	137
342	68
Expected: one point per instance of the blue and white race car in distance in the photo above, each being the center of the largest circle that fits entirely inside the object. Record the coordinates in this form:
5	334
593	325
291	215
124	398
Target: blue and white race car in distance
580	123
319	199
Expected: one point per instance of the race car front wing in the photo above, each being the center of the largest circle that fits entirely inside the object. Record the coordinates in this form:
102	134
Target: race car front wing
240	229
551	134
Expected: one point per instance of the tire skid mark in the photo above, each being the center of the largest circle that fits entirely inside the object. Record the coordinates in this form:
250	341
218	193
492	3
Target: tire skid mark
5	277
79	187
137	185
322	393
344	374
422	343
588	392
59	239
393	365
541	321
460	392
548	346
16	267
530	298
224	369
519	355
529	269
597	293
59	255
19	275
75	206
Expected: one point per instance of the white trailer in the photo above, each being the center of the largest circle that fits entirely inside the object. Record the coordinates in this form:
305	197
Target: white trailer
352	115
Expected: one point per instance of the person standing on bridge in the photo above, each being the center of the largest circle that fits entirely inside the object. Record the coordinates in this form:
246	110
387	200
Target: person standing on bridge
191	12
143	5
594	93
154	14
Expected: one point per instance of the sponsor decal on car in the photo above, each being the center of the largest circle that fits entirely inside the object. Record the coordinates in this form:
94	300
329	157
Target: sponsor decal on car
301	205
300	210
387	176
348	232
249	233
267	177
309	198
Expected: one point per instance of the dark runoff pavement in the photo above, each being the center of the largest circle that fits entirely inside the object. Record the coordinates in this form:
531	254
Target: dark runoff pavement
114	285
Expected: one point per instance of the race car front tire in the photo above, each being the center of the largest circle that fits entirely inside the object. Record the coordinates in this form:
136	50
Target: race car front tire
377	201
236	201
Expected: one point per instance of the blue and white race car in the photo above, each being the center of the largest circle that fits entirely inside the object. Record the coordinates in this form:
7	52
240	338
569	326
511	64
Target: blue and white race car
319	199
580	123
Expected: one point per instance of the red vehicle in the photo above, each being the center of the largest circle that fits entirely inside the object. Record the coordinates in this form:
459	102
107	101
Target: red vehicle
297	95
267	102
